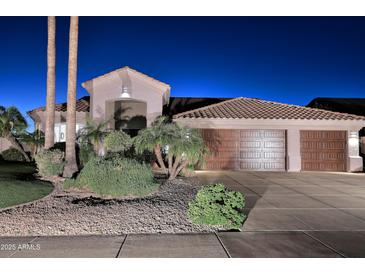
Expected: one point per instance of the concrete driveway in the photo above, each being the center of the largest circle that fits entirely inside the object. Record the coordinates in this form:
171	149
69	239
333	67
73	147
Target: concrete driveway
297	214
288	215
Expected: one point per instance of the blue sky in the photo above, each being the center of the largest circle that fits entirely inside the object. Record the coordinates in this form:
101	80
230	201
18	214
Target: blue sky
286	59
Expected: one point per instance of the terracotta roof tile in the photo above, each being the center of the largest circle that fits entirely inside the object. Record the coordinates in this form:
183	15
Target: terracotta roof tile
82	105
249	108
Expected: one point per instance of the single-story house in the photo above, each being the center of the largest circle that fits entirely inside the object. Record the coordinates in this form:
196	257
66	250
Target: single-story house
242	133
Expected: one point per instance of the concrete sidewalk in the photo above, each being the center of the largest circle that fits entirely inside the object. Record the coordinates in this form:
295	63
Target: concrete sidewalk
289	244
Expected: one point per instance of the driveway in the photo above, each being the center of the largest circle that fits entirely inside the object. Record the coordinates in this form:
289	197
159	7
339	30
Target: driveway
304	214
297	214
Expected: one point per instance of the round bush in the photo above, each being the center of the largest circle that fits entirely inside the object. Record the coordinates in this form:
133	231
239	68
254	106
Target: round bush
215	205
13	154
117	141
115	177
50	162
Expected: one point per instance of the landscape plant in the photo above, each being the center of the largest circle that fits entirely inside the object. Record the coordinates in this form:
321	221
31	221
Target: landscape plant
13	124
50	162
12	155
117	141
115	177
34	140
93	133
215	205
86	153
175	145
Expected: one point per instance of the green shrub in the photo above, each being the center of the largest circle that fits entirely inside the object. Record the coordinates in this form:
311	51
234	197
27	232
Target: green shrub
86	153
117	141
12	154
215	205
115	177
50	162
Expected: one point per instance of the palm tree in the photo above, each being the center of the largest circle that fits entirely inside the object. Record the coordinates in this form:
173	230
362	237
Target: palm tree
182	146
71	164
35	140
153	139
12	124
51	83
94	133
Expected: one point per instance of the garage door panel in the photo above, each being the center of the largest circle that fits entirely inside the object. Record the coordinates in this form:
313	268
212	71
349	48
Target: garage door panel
323	150
274	144
245	149
250	144
274	155
221	164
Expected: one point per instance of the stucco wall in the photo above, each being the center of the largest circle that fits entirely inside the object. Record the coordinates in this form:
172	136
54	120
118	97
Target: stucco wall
109	88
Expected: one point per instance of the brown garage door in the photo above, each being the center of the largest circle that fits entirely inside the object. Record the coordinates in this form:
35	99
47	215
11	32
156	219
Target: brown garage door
323	150
245	149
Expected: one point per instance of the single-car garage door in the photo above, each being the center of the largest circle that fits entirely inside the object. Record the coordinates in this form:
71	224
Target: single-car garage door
245	149
323	150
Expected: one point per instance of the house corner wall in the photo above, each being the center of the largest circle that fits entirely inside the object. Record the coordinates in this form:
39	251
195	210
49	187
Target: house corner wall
354	160
294	160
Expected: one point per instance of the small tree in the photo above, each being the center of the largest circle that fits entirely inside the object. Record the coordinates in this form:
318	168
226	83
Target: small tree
13	124
171	143
153	139
35	140
185	148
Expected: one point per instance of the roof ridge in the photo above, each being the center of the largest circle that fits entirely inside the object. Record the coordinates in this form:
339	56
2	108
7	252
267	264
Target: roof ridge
126	68
203	108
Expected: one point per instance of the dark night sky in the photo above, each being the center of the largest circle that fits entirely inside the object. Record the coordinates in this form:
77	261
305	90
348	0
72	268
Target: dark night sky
286	59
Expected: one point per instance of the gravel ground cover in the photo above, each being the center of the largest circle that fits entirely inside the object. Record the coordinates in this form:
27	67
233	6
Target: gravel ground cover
66	214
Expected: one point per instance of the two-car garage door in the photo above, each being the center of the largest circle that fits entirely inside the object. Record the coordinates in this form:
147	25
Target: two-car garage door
250	149
245	149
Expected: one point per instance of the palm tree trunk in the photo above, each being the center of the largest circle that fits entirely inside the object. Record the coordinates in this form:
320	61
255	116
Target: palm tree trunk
174	168
71	164
17	145
180	168
51	83
160	161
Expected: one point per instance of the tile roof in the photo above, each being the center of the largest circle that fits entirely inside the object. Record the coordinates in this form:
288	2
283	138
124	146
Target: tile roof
249	108
82	105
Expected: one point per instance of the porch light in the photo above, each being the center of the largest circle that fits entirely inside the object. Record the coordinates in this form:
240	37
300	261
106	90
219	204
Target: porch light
125	92
126	85
353	139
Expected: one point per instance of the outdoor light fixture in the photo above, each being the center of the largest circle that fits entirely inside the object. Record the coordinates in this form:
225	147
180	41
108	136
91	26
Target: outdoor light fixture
354	138
125	92
126	85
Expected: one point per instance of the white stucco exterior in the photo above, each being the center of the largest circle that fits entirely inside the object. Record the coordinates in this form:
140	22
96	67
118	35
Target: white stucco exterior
142	88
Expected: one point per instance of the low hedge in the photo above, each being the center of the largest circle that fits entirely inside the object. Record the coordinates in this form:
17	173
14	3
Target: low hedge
50	162
215	205
13	155
115	177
